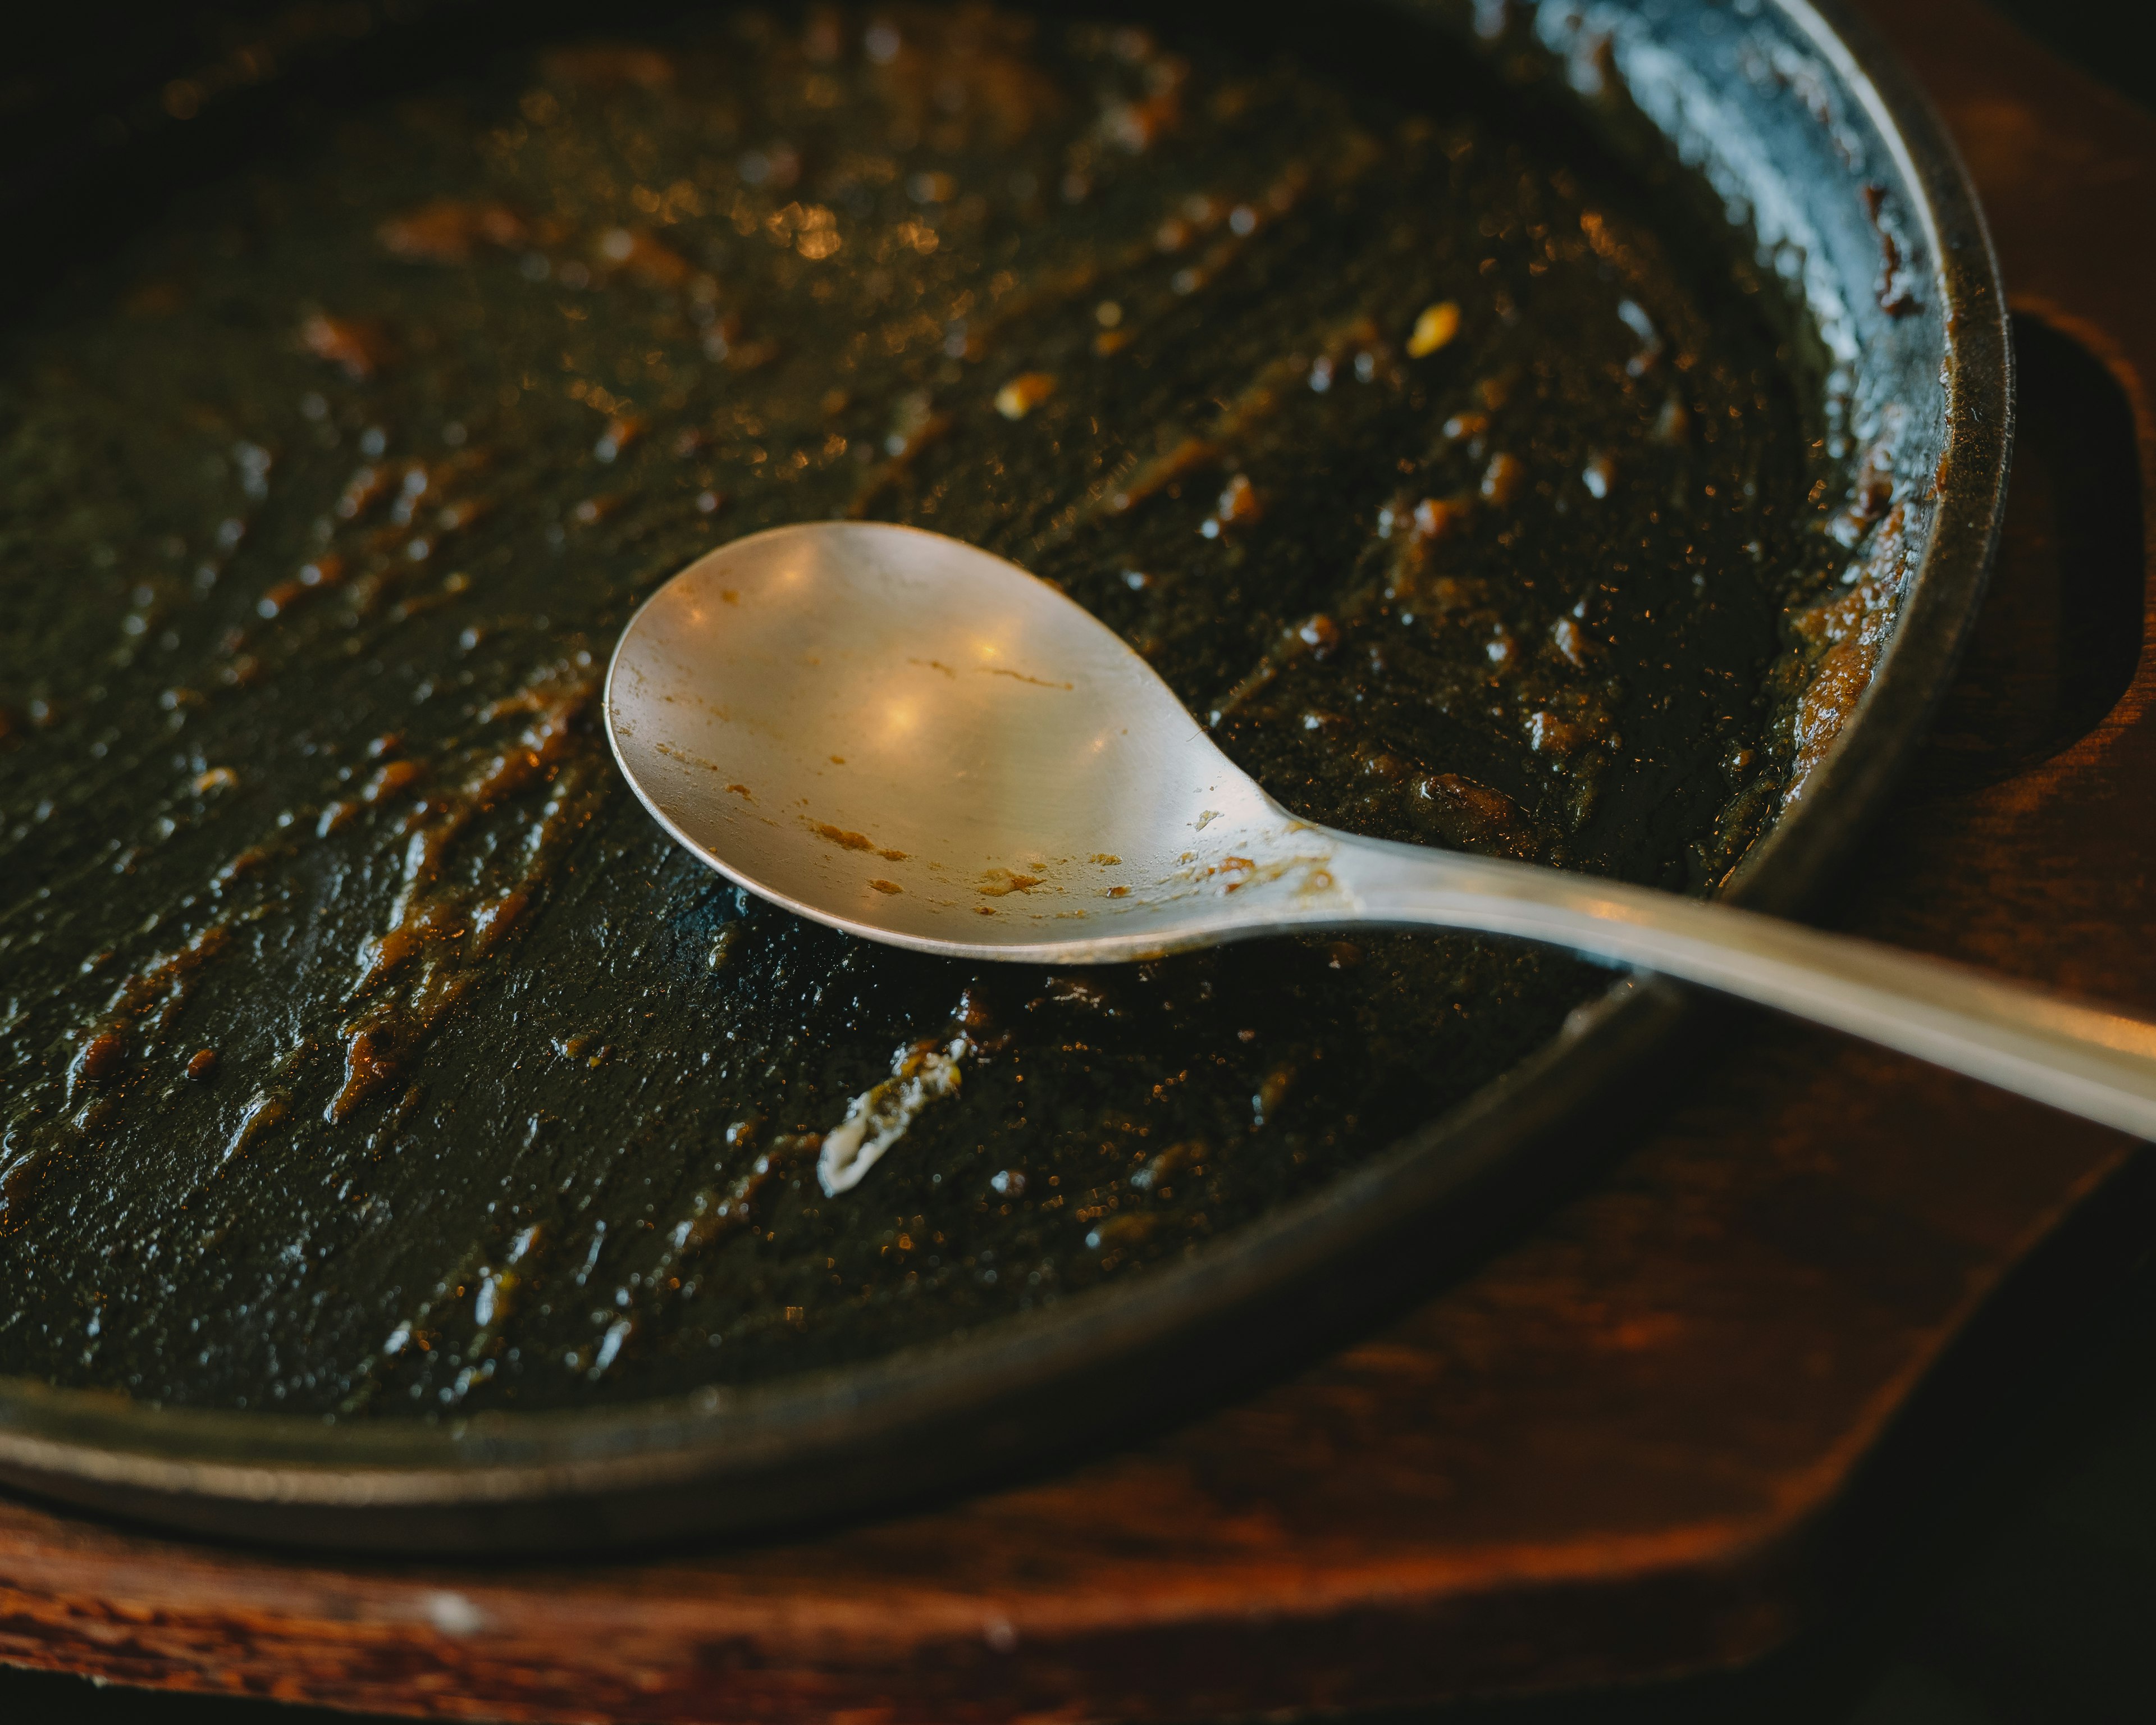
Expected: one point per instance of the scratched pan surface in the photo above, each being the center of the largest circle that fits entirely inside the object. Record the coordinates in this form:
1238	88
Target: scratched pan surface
1577	433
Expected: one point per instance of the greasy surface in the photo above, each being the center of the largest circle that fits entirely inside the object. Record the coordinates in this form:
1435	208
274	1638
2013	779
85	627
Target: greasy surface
1621	1446
369	1051
1598	1455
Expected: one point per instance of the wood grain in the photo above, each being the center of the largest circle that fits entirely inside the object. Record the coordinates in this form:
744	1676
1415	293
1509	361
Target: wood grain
1618	1447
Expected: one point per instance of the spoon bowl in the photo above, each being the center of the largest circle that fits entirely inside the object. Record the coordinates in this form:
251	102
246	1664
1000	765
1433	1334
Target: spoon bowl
912	740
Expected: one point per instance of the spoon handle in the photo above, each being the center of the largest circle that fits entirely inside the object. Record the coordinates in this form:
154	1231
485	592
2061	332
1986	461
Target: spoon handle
2086	1060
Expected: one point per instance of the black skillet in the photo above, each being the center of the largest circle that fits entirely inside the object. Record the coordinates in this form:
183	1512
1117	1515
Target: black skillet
1795	116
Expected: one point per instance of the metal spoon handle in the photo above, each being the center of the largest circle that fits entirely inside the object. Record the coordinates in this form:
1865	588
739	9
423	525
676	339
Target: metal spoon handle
2086	1061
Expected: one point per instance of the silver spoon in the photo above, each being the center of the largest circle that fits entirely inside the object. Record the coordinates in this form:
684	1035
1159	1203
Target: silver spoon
912	740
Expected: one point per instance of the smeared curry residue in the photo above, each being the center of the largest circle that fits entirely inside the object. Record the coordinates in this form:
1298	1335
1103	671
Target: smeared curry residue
451	928
1457	484
878	1117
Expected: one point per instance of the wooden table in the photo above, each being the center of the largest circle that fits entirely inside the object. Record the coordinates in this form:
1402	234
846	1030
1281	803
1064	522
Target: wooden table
1642	1437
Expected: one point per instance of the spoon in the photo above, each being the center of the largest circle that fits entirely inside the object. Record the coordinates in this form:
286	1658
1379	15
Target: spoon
910	739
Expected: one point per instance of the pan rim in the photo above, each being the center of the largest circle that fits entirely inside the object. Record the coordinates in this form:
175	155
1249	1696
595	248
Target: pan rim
617	1474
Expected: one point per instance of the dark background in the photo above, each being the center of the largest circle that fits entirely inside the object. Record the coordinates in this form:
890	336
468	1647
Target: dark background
2114	40
2012	1574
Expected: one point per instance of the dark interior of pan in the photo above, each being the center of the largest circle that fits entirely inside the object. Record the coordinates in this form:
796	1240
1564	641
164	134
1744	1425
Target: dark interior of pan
1575	432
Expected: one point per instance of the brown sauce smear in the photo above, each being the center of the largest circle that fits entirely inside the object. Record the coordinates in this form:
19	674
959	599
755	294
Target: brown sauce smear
1323	391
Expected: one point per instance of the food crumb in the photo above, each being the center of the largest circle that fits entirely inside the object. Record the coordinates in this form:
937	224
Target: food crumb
363	349
1024	394
1440	518
1501	478
1238	503
1437	324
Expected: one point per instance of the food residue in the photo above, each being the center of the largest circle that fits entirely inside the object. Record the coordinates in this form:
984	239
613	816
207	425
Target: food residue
1023	394
333	529
1435	327
878	1117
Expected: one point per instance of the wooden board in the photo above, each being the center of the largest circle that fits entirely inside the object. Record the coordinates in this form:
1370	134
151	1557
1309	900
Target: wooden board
1625	1443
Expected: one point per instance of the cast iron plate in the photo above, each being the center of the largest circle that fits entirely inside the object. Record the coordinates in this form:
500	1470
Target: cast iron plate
1790	111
